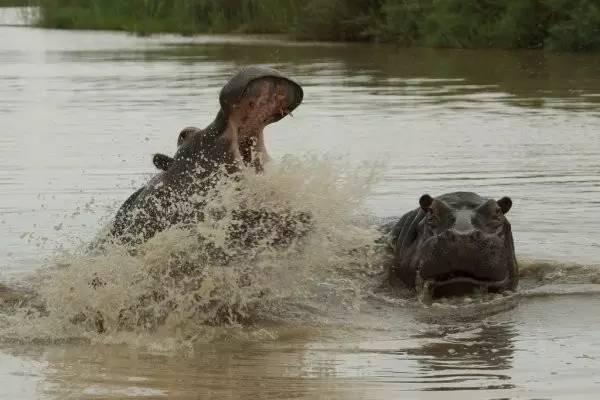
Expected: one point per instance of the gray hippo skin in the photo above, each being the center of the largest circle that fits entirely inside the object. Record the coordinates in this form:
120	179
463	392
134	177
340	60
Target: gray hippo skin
454	244
162	161
253	98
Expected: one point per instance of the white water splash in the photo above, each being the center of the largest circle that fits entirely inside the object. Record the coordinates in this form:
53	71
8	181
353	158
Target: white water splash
171	294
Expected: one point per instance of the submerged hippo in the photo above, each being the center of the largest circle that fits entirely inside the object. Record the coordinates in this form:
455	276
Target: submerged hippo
252	99
453	244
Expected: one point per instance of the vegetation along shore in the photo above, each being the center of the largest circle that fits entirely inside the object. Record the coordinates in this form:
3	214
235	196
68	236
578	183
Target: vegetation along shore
560	25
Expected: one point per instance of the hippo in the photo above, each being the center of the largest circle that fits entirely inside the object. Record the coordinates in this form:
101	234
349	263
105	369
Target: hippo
452	245
252	99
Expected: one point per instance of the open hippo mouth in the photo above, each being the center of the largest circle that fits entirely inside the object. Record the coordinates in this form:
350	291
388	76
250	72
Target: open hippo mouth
254	98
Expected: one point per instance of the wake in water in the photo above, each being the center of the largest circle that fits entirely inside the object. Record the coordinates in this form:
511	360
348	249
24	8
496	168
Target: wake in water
537	279
172	287
173	293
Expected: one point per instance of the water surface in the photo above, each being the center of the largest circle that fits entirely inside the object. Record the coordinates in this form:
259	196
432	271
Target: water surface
82	112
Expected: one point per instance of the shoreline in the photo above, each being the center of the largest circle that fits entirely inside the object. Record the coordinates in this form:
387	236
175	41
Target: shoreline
456	24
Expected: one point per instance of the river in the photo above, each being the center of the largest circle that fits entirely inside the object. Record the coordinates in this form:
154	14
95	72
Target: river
82	112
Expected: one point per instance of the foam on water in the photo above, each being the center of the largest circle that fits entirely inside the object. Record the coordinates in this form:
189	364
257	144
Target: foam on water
170	293
536	279
543	272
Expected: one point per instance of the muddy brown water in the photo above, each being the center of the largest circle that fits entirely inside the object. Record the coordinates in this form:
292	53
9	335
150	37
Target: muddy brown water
82	112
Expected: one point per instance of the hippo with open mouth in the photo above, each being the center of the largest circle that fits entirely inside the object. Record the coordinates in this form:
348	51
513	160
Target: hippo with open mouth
252	99
454	244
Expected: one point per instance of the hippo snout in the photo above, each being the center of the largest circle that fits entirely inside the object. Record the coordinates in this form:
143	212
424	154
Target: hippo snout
452	235
473	254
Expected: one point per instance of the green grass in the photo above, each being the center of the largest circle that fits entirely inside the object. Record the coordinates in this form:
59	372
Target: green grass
562	25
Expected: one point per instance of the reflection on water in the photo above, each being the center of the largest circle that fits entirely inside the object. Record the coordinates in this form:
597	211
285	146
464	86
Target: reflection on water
406	78
524	353
82	112
465	360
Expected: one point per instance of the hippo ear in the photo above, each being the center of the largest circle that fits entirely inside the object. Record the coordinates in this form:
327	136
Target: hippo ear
505	204
425	202
161	161
185	134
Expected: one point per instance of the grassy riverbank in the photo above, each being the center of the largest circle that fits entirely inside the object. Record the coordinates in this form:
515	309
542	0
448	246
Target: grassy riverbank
563	25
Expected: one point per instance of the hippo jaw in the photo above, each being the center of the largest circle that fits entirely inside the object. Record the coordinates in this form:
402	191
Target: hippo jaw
457	262
251	100
429	290
457	284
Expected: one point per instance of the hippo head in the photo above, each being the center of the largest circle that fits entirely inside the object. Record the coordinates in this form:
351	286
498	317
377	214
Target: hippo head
252	99
457	243
257	96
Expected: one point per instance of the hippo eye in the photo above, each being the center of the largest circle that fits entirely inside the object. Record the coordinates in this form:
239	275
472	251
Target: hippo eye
496	218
